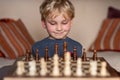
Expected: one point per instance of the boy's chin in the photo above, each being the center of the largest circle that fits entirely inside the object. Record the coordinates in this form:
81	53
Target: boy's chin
57	37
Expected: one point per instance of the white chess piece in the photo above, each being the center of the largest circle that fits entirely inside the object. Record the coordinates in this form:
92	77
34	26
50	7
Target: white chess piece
32	68
43	70
79	67
55	71
20	68
55	57
93	68
67	68
67	56
103	71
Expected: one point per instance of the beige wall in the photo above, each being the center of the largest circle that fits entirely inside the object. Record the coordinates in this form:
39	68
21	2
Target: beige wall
89	16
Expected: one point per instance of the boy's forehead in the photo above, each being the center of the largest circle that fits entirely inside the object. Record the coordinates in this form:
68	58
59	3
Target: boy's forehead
53	15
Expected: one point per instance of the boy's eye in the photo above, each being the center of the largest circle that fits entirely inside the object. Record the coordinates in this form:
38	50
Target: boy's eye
64	22
52	23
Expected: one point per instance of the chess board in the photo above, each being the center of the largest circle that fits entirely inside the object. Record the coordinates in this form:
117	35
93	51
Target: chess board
111	74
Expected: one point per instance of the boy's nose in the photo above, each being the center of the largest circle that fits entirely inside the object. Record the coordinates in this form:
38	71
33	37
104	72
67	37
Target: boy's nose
59	28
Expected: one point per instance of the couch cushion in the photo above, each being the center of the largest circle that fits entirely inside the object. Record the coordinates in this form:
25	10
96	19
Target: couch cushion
1	54
113	12
15	38
24	31
108	38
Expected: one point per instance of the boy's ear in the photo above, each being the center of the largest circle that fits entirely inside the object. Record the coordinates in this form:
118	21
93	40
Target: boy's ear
43	24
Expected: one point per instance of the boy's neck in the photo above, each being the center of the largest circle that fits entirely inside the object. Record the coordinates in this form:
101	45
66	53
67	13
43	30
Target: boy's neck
57	39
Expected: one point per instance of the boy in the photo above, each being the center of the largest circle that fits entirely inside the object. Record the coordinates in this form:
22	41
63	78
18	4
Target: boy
56	18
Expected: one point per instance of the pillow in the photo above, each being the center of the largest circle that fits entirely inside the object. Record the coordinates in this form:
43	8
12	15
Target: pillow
14	41
108	38
24	31
1	54
113	12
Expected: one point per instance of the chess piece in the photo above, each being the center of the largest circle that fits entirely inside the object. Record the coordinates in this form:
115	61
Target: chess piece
103	71
67	57
20	68
93	68
65	46
95	55
55	71
64	49
32	68
46	53
27	55
84	58
79	67
67	68
43	66
56	48
55	57
37	56
75	53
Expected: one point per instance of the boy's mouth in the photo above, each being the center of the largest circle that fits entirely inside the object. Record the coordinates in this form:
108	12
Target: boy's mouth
58	33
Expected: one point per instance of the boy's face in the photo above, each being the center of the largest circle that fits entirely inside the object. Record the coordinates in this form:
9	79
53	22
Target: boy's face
58	27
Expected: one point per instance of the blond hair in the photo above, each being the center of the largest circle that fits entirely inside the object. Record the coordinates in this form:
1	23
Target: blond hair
48	7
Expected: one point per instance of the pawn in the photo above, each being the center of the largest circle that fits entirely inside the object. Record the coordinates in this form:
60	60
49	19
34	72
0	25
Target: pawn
95	55
27	55
79	67
32	68
37	56
103	71
75	53
93	68
84	58
46	53
43	70
20	68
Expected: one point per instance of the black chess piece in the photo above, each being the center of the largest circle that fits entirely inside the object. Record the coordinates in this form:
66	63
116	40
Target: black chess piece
27	55
75	53
56	48
37	55
46	53
95	55
84	58
64	49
